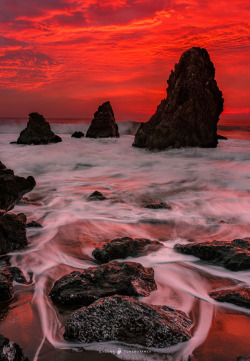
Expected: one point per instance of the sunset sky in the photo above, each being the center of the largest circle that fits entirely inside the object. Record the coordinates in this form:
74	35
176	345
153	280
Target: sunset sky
63	58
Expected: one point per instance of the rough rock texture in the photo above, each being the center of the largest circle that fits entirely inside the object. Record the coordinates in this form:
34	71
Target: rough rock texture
96	196
37	132
125	319
17	275
12	232
77	135
6	286
190	113
103	125
33	224
160	205
10	351
234	255
239	297
82	288
125	247
13	187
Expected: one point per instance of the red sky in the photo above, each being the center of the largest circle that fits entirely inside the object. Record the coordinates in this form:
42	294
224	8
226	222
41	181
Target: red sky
63	58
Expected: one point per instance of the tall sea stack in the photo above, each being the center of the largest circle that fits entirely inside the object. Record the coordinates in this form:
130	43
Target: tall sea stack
103	125
37	132
189	115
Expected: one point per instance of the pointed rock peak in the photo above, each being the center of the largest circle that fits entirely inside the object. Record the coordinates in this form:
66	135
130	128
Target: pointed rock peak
37	131
103	125
189	115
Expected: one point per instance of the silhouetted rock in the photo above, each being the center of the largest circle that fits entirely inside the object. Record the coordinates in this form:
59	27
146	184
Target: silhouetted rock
125	247
10	351
6	286
82	288
103	125
221	137
243	358
13	187
234	255
160	205
96	196
33	224
125	319
77	135
17	275
12	233
37	132
239	297
190	113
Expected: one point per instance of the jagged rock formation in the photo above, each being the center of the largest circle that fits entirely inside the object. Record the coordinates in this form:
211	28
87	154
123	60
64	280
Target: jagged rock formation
125	319
234	255
10	351
78	289
37	132
239	297
12	187
6	286
77	135
125	247
12	232
96	196
190	113
103	125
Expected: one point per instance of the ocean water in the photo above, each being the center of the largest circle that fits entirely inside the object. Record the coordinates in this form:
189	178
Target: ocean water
209	191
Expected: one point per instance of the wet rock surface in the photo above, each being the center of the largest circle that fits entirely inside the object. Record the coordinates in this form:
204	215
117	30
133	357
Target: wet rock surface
77	135
234	255
17	275
190	113
160	205
239	297
10	351
37	132
125	319
78	289
6	286
103	125
33	224
13	187
125	247
96	196
243	358
12	233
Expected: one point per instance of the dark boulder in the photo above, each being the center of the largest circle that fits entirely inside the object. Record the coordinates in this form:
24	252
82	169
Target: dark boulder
96	196
243	358
10	351
190	113
6	286
83	288
17	275
77	135
12	233
221	137
239	297
125	247
160	205
33	224
234	255
13	187
103	125
125	319
37	132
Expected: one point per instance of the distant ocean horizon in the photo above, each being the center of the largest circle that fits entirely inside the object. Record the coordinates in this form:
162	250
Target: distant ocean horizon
232	128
